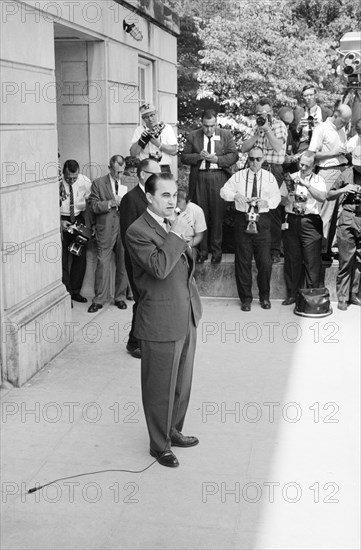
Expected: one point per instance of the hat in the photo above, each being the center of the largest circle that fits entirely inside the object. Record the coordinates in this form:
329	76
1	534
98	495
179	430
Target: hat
146	108
356	155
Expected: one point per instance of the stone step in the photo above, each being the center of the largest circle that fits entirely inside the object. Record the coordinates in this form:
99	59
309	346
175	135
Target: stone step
218	280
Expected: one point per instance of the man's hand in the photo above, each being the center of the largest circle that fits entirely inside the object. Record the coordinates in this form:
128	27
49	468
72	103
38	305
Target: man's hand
241	199
350	188
182	223
117	200
144	139
262	203
65	224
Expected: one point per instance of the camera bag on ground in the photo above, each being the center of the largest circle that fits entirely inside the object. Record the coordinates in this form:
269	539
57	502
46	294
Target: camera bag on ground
313	302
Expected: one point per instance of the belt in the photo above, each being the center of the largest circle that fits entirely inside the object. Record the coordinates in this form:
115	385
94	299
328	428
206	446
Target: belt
210	170
357	213
65	217
301	215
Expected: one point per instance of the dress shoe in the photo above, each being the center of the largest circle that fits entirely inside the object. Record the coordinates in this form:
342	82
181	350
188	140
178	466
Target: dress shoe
216	259
165	458
276	258
265	304
246	306
342	305
134	351
121	304
289	301
202	258
79	298
94	308
355	300
180	440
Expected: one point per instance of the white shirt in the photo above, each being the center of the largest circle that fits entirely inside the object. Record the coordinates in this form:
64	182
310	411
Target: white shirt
81	191
242	181
122	189
214	138
167	137
198	223
159	219
353	142
326	138
312	205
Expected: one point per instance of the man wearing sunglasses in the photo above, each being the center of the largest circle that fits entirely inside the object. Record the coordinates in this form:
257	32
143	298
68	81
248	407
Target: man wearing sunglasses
253	186
132	206
270	134
160	148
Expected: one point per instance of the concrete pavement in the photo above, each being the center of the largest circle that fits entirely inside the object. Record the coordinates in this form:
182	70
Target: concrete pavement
275	404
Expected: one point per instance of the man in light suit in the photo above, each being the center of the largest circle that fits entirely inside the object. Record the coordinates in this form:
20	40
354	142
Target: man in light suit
169	310
132	206
105	197
210	152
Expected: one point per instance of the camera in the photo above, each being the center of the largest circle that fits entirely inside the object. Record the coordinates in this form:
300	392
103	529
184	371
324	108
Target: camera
82	235
289	182
262	119
299	206
353	198
311	121
252	216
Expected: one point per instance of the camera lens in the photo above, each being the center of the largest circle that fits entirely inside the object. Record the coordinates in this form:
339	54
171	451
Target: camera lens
260	120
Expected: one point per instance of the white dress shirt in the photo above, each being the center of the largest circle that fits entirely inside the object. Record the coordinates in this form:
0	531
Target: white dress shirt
242	182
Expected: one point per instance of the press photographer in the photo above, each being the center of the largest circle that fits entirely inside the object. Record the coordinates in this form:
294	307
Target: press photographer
73	199
154	139
255	192
302	194
270	134
348	189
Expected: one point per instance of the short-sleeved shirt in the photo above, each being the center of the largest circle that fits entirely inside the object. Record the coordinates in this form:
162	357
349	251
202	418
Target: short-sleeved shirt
167	137
326	138
198	224
353	142
81	191
312	205
242	182
279	129
348	176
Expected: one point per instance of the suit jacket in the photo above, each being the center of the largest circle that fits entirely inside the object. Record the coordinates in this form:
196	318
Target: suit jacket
225	149
164	280
132	206
106	219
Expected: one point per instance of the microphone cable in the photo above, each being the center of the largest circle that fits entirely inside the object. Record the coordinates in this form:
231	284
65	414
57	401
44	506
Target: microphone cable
37	488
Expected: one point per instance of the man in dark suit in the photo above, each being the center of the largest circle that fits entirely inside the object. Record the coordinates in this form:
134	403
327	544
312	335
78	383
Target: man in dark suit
132	206
105	197
210	151
169	310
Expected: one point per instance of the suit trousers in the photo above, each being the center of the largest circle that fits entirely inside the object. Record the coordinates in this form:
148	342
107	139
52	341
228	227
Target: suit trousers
329	209
349	248
74	267
208	198
302	243
106	245
166	374
247	246
276	213
132	340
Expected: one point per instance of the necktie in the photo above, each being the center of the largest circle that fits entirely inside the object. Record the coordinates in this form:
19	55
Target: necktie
254	188
116	187
167	224
209	150
71	204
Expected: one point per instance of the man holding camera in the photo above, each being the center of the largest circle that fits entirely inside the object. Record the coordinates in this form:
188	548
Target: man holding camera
271	135
303	193
255	192
328	142
73	194
154	139
105	197
348	188
308	117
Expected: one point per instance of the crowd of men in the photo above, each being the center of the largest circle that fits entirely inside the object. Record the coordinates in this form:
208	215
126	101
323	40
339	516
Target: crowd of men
298	167
293	185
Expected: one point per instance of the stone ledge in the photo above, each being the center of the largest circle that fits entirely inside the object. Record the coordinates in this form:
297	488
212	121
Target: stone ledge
217	280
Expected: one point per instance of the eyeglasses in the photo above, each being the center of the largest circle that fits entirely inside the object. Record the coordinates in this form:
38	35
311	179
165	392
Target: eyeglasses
147	172
257	159
264	113
306	96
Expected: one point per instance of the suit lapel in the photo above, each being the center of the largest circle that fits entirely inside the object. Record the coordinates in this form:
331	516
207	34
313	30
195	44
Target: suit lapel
154	224
108	187
141	195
